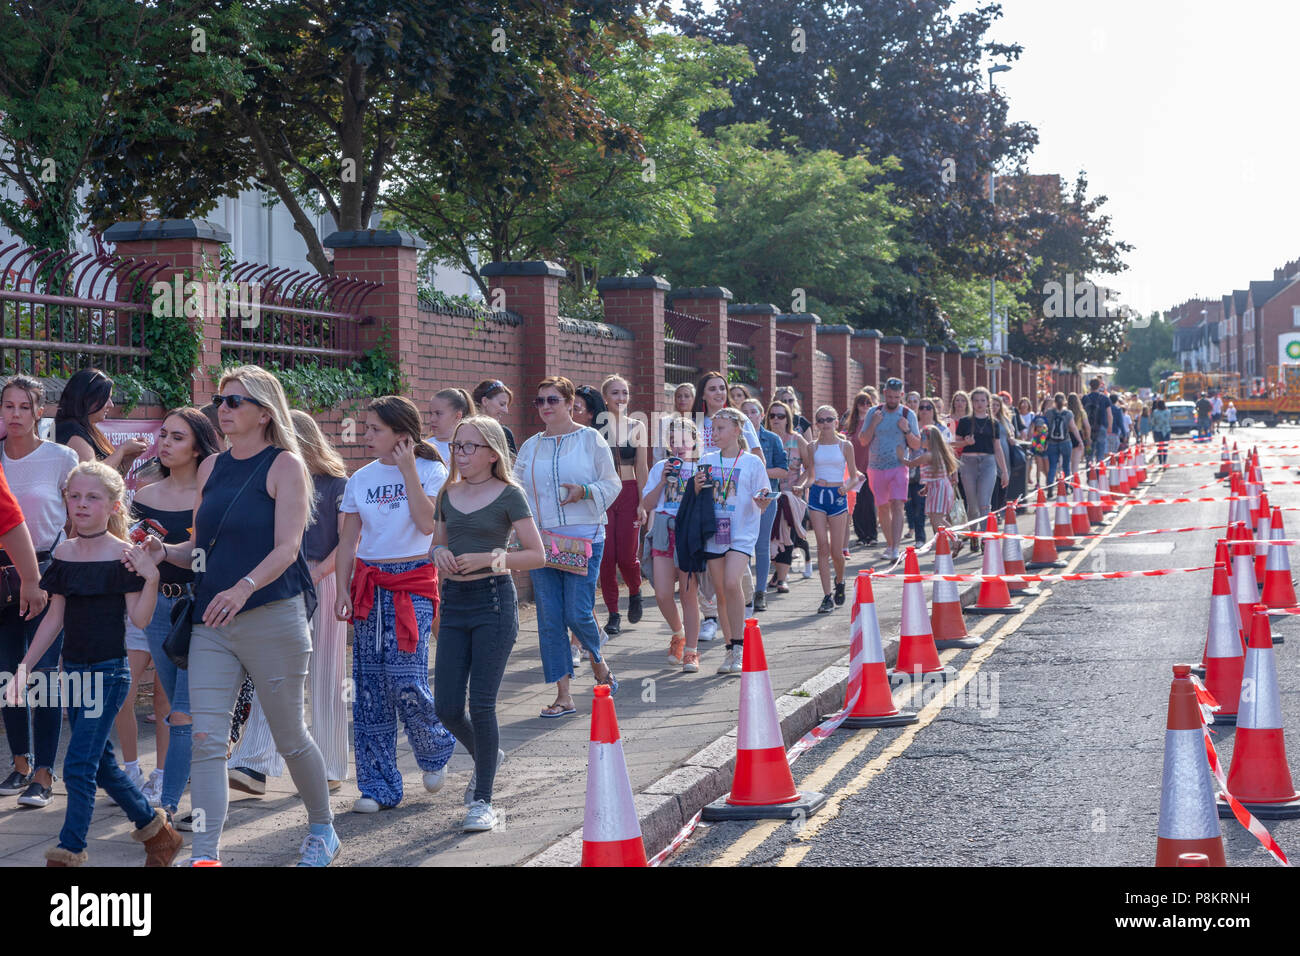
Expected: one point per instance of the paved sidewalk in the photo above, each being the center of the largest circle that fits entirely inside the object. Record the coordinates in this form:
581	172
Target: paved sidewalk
665	717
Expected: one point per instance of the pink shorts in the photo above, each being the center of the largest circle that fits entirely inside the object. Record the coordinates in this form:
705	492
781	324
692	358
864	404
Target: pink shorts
888	485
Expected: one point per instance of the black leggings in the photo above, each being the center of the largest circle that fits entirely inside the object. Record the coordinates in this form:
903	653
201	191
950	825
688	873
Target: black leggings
864	515
479	624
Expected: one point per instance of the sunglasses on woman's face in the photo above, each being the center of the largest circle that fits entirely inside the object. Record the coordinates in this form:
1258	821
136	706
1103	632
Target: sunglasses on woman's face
825	421
234	401
925	408
778	416
541	400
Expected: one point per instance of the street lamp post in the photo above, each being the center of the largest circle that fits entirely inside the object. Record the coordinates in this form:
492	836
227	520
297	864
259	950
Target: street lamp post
993	279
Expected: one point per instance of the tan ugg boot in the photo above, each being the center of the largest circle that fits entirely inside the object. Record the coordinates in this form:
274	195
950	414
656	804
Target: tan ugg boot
160	839
57	856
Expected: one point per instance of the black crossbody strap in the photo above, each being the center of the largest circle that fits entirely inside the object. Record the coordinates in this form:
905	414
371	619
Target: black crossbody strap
212	542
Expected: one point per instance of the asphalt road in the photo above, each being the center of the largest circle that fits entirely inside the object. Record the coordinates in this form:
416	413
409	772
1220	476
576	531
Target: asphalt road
1051	752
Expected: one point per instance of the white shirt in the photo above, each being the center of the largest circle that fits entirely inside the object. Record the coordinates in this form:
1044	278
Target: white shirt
37	481
377	492
745	476
547	462
670	498
444	447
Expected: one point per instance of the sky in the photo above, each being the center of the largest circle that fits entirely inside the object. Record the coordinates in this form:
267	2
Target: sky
1178	111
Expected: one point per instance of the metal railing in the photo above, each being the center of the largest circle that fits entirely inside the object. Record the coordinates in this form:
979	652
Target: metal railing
785	344
63	310
680	347
741	366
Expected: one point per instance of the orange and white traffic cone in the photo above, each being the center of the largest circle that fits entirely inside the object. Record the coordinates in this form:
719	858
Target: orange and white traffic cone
875	706
1044	554
917	654
1140	458
1243	571
1095	512
1124	472
1107	491
1263	534
994	596
762	788
1222	556
611	830
1224	659
1279	590
1259	775
1061	529
1079	522
1013	554
1234	467
1188	823
946	620
1254	488
1225	461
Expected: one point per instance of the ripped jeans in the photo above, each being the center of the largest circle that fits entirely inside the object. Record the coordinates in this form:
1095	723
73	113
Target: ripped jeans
271	643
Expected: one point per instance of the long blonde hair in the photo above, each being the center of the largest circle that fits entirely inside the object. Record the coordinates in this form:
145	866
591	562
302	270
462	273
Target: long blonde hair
317	452
939	450
267	390
113	484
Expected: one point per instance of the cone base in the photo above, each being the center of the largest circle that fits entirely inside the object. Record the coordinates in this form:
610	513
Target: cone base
967	641
1037	565
1229	720
897	678
1025	590
809	802
900	719
1279	639
1009	609
1199	671
1287	810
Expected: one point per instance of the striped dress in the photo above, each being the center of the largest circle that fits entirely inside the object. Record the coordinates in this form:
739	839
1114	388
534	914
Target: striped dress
939	496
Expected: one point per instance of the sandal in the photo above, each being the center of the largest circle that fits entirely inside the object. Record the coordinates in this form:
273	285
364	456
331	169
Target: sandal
676	646
611	681
558	710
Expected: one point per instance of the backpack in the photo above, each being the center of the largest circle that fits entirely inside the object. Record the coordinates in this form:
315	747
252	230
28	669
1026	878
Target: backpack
1057	426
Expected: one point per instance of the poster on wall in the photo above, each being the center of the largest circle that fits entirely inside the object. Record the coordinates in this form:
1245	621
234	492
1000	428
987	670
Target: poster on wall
118	430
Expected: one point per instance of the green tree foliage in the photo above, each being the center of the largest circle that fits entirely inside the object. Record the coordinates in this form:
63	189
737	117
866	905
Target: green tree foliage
792	219
596	208
1142	347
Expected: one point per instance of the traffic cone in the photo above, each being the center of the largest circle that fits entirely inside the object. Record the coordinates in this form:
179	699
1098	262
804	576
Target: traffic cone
1079	522
611	830
994	596
1279	591
1188	823
946	620
1263	534
1259	776
1013	554
1221	556
1095	513
1225	461
917	654
1223	654
875	706
1125	475
1243	571
1193	859
1235	465
1103	484
1061	529
1254	488
1141	463
1044	554
762	788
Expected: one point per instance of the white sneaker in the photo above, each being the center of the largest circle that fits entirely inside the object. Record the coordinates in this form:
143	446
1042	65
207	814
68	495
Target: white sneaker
576	655
473	781
708	629
807	570
480	818
737	659
366	805
135	776
433	781
152	788
727	661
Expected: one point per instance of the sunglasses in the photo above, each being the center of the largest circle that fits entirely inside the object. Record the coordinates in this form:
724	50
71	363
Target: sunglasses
894	384
234	401
777	415
465	447
825	421
926	408
541	400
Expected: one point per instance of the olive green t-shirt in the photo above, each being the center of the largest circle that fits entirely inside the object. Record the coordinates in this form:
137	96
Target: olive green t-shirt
486	529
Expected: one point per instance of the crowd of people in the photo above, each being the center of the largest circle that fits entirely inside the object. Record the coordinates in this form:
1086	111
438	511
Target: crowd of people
244	549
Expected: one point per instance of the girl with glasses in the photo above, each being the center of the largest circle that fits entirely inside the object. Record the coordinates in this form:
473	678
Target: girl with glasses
832	457
780	420
477	510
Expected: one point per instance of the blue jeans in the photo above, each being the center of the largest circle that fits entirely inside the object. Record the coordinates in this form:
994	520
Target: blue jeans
1058	451
478	627
176	682
90	762
26	724
763	551
566	602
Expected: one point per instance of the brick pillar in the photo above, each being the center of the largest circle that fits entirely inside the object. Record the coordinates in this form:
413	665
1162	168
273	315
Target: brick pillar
637	304
892	359
763	342
193	248
968	360
835	341
805	358
865	348
914	365
952	371
710	304
531	290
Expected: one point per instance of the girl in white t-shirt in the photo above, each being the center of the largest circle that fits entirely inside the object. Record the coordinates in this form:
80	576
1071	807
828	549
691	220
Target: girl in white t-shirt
389	506
664	489
740	496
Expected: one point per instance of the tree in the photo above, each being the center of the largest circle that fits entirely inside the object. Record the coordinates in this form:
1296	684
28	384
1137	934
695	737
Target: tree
793	224
597	210
1144	344
78	82
330	92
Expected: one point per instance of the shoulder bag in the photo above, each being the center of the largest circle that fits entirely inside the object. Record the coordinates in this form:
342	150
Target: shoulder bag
177	643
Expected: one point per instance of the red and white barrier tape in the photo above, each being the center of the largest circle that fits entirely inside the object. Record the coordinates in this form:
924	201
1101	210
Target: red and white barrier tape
1098	534
1039	578
1244	816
